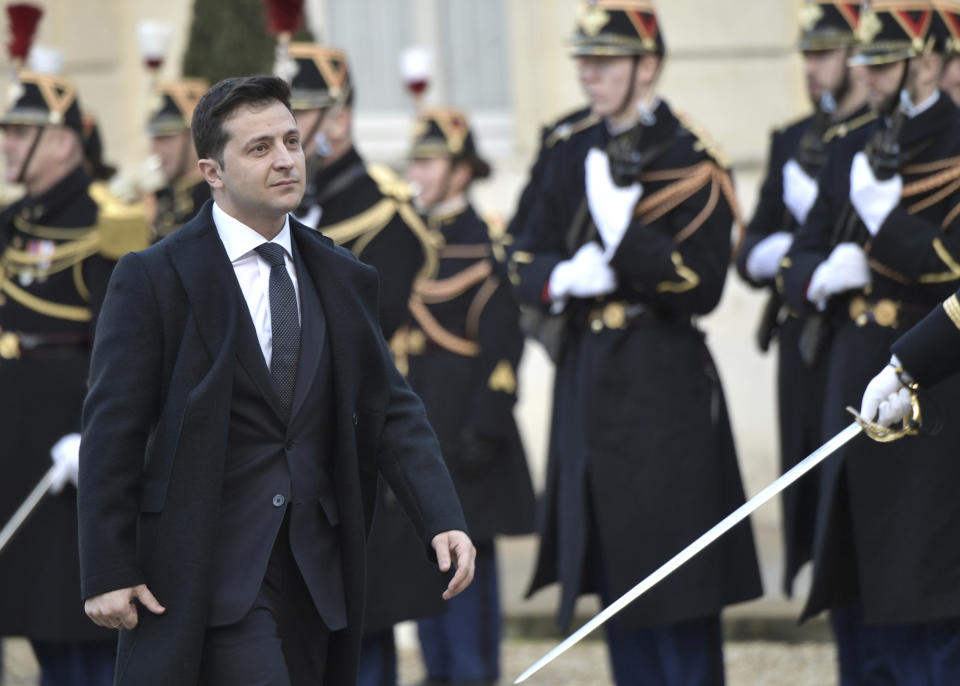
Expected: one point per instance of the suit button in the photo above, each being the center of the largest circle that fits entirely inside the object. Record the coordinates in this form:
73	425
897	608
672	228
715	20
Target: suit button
278	500
356	419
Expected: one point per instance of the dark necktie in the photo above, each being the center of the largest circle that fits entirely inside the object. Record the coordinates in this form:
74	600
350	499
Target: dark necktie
285	323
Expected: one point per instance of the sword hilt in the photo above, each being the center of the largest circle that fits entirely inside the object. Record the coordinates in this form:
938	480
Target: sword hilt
909	426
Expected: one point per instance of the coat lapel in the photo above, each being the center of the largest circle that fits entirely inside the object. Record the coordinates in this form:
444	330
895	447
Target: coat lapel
335	300
206	274
313	332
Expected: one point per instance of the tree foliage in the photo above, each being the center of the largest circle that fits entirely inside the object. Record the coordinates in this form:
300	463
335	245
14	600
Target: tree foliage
229	38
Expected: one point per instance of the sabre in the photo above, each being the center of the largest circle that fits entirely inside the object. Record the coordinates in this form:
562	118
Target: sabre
26	509
718	530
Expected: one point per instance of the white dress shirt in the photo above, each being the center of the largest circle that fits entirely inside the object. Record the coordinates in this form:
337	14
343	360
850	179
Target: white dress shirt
253	272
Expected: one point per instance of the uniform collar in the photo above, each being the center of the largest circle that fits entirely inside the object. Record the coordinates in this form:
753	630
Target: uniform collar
239	239
327	174
58	196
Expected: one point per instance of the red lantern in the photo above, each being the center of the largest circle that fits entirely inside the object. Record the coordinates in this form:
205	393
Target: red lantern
24	18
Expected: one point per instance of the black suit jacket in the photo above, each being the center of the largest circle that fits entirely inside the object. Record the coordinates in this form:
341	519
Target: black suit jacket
155	431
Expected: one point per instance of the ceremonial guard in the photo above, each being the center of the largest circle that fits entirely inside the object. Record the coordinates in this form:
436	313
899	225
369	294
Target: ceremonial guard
552	137
364	208
184	190
878	250
947	13
59	243
627	246
461	352
796	155
367	209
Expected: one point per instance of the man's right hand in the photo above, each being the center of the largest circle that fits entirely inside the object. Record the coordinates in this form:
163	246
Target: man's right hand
116	609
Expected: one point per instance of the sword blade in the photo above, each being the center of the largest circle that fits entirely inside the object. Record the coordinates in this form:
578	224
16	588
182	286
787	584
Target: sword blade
718	530
26	509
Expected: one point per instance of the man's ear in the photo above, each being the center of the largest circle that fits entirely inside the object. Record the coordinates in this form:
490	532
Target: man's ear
210	170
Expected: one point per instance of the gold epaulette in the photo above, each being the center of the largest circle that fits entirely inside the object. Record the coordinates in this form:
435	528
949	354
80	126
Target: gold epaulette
122	227
841	129
704	142
389	183
364	227
563	130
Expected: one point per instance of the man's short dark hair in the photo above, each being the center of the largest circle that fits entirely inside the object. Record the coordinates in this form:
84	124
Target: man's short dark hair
222	100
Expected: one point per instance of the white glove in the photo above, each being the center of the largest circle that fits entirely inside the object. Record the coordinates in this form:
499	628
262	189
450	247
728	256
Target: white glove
610	205
799	190
586	275
873	200
886	400
845	270
66	458
763	262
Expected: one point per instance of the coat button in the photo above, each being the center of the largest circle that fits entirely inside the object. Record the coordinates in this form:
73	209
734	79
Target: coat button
278	500
356	419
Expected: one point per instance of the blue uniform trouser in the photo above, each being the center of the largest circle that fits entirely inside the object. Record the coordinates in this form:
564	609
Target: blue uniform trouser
463	645
378	659
75	664
922	654
689	653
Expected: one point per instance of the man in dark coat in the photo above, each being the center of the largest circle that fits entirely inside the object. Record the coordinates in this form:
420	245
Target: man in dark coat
462	349
366	209
56	262
641	449
242	401
878	250
797	152
184	191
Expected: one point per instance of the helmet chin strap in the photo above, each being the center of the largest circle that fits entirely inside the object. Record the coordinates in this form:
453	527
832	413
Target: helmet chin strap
22	174
627	103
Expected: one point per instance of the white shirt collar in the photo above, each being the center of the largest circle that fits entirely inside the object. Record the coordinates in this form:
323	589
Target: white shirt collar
239	239
912	110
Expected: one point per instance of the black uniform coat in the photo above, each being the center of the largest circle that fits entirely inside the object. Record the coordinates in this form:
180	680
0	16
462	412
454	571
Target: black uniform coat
175	204
640	438
41	402
464	347
155	434
375	221
551	138
372	218
888	515
930	351
800	388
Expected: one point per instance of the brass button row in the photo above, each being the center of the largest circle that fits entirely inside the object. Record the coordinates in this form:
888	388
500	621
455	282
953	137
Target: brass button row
611	316
882	312
9	345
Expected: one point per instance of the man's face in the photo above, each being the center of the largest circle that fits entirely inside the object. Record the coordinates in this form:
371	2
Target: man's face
950	78
883	83
48	156
171	151
824	71
605	81
263	163
431	175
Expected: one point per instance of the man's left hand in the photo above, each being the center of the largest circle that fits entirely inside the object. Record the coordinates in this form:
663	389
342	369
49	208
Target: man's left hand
872	198
455	547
